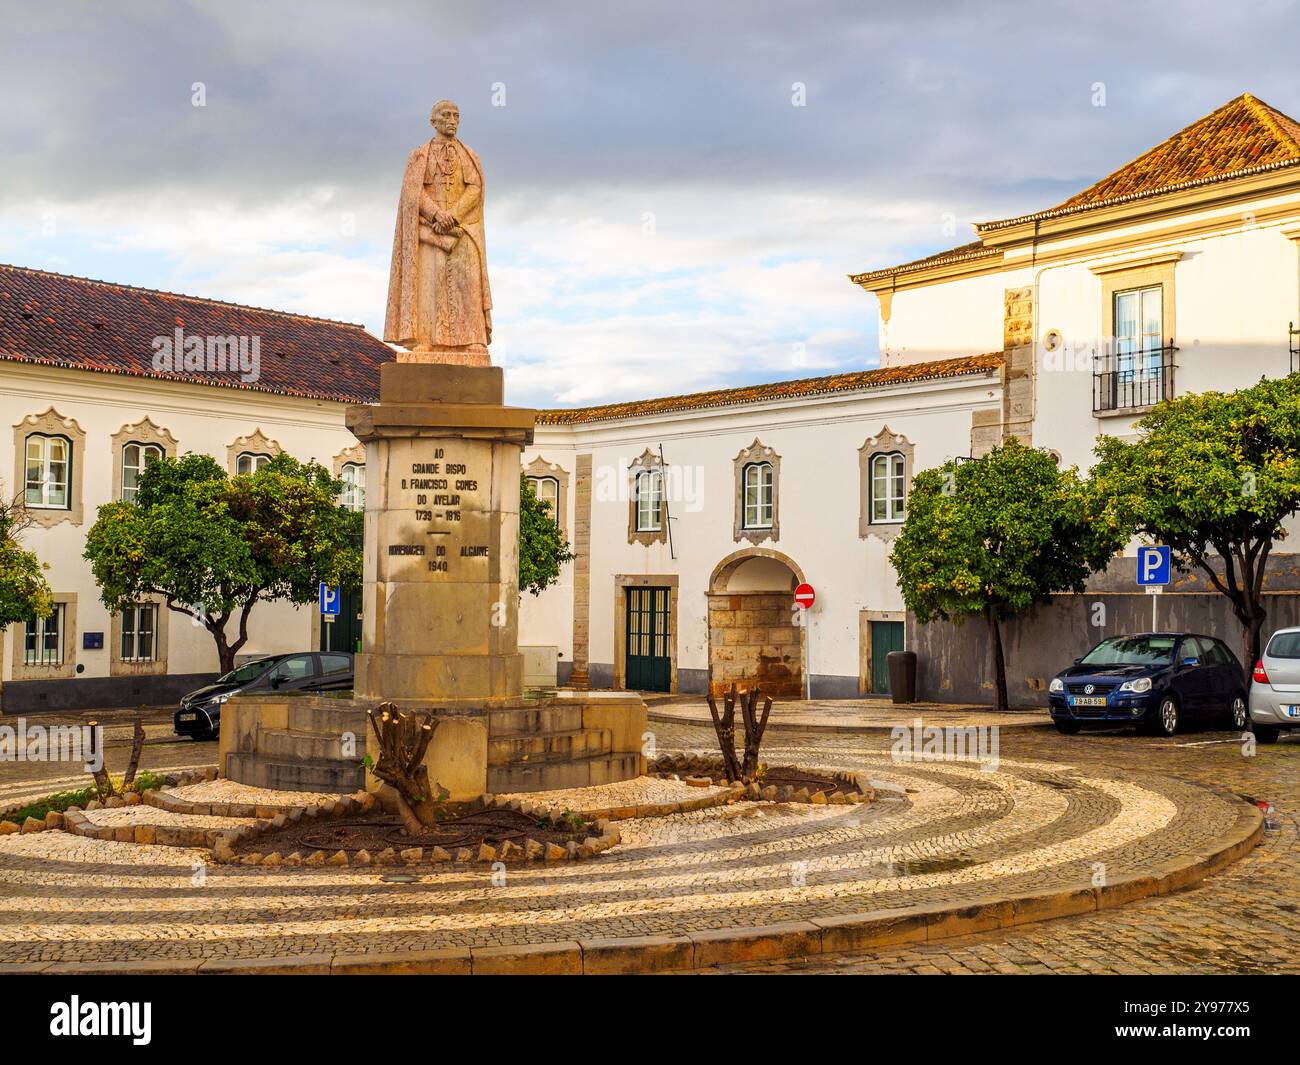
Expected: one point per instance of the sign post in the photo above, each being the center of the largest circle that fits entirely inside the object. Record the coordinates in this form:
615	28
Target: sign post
804	597
1153	569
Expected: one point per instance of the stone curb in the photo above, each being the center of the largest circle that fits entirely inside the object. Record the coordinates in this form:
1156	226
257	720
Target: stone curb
532	851
75	821
695	950
671	767
555	814
797	726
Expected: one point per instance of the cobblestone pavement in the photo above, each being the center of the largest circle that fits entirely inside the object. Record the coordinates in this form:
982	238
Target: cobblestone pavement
1245	920
855	715
21	782
1051	811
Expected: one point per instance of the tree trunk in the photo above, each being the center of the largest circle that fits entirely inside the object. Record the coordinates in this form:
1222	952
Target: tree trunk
403	740
724	725
999	665
754	729
137	748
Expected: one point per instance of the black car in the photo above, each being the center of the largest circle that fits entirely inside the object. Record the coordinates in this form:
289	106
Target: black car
1155	680
199	716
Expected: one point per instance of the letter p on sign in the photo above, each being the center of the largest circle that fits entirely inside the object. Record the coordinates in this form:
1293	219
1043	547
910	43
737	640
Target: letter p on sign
1153	564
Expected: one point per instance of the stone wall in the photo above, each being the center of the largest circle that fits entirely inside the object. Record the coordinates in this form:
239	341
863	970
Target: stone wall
753	640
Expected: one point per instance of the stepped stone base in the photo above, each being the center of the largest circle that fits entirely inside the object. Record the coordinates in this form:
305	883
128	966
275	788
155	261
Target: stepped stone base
317	743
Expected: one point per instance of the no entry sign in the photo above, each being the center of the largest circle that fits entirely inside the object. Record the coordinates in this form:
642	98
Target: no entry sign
804	595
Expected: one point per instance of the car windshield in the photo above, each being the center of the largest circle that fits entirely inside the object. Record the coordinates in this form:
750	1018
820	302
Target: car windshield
248	671
1131	651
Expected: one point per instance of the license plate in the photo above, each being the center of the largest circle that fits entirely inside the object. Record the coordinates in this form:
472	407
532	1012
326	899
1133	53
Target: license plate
187	717
1293	711
1087	700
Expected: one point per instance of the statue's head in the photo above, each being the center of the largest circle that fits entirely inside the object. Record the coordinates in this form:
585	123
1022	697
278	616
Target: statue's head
445	118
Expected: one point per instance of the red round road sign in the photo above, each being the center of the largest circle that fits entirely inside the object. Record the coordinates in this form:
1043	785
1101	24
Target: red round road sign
804	595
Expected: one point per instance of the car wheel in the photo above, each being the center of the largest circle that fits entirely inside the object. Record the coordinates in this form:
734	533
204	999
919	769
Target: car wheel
1266	734
1066	728
1165	722
1240	716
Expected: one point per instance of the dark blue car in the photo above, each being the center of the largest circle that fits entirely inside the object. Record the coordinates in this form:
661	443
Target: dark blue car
1155	680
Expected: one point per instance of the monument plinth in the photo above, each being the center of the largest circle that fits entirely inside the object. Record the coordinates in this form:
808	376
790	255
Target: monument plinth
440	604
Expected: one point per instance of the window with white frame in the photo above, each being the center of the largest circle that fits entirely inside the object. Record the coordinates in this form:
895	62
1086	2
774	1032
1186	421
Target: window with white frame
757	484
649	501
134	459
353	476
888	487
250	462
49	471
547	489
139	633
1139	330
44	638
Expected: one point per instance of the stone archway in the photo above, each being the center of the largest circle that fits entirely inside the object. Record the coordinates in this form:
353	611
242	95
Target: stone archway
753	634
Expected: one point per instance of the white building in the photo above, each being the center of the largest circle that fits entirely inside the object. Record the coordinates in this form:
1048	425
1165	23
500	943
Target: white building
692	518
86	407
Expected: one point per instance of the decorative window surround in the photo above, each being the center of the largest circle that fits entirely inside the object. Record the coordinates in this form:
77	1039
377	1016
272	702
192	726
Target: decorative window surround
141	432
351	456
883	443
71	639
648	461
156	666
52	423
756	453
257	443
540	468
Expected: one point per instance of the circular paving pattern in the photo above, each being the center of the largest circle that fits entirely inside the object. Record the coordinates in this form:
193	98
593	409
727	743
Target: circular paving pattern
941	834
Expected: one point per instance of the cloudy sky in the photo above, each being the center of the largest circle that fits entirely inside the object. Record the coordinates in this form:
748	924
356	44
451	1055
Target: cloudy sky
666	210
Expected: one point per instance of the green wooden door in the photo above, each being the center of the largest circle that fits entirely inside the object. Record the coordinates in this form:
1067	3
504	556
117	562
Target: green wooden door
344	632
649	657
886	636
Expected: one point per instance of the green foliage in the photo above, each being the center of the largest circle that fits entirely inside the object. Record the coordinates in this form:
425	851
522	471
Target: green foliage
217	545
543	547
62	800
24	591
999	533
1213	476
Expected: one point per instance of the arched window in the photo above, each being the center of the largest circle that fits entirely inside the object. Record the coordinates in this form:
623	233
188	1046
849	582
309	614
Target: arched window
547	489
757	481
353	476
649	501
250	462
888	487
135	457
49	471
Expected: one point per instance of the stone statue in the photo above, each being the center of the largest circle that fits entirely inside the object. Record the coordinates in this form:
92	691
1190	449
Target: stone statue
439	303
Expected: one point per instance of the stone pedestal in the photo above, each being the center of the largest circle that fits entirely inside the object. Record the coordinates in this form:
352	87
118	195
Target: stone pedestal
441	599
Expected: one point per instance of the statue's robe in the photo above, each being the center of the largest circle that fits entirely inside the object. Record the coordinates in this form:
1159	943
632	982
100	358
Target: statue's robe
438	294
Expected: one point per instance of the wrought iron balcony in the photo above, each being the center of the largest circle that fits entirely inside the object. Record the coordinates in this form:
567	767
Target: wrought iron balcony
1133	380
1293	336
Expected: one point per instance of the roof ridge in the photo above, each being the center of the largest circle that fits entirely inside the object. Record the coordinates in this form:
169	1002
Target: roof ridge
182	295
1268	114
739	394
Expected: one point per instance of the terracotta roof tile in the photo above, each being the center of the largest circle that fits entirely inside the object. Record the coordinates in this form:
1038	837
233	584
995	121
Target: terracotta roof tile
1242	137
57	320
808	386
961	253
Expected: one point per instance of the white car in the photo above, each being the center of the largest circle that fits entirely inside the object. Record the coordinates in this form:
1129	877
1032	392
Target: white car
1275	686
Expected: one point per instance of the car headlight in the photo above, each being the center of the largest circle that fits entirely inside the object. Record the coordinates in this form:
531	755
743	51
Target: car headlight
1057	685
1142	684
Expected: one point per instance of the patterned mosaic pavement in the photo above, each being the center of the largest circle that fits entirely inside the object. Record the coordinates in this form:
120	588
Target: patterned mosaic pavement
1054	812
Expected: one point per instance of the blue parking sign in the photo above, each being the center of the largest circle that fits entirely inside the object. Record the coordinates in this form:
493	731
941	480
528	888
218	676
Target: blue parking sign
1153	564
329	600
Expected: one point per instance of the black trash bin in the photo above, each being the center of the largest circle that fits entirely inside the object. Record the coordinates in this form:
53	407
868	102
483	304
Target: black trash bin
902	676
